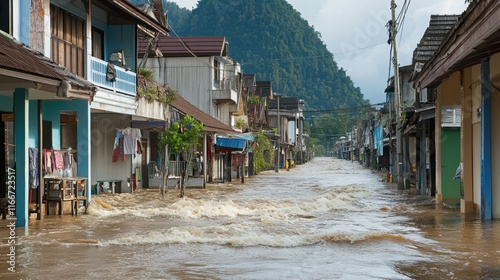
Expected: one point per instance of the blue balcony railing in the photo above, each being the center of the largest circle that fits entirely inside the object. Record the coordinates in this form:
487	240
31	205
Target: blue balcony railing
125	80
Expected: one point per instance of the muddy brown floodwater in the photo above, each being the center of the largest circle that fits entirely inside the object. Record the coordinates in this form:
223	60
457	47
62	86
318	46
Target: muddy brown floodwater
327	219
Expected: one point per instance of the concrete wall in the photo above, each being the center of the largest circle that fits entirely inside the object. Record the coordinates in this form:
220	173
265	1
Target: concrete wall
448	93
191	77
104	127
495	133
475	86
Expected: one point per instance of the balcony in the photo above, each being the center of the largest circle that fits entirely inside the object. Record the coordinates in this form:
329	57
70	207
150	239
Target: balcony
225	92
125	80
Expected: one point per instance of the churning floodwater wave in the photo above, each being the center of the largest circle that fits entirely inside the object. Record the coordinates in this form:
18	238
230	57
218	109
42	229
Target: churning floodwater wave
321	215
326	219
242	236
337	198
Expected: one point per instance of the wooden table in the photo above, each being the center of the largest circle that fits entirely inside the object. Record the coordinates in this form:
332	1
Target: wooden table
61	189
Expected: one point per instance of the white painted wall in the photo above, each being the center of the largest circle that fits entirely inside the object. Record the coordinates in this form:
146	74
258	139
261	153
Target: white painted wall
476	133
103	133
191	77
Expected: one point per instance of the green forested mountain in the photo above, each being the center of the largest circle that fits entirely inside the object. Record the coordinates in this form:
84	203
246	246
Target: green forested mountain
271	39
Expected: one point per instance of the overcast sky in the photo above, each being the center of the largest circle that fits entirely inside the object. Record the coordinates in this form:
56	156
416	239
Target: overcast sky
354	31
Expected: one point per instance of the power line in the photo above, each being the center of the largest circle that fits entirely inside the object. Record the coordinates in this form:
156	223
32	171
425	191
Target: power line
343	109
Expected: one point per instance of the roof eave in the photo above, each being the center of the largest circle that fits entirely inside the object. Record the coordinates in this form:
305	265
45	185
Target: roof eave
144	20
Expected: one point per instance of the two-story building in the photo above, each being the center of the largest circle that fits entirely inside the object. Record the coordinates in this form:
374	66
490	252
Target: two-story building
91	47
203	74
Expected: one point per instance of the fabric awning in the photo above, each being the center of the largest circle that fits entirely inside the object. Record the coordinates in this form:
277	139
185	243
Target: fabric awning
231	143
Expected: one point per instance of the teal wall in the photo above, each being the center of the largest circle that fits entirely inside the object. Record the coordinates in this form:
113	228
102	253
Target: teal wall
450	159
51	112
6	103
21	125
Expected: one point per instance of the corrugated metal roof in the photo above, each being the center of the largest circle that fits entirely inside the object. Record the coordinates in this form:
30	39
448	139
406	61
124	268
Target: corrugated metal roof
286	103
264	89
211	124
439	27
185	46
231	143
13	56
125	10
16	56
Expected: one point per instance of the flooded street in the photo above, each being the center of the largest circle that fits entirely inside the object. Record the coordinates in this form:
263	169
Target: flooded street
327	219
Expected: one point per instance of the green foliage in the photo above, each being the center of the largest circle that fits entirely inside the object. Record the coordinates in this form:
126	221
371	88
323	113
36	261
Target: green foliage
151	91
273	41
320	151
148	74
179	142
254	99
262	152
241	124
181	139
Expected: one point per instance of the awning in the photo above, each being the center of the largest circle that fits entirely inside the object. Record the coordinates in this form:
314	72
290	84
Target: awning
231	143
149	125
245	137
426	113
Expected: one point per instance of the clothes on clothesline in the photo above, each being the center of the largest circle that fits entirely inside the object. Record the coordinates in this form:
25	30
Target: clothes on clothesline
127	142
59	160
34	179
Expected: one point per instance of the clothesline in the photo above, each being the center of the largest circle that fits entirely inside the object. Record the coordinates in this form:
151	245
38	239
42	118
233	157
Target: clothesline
62	161
127	142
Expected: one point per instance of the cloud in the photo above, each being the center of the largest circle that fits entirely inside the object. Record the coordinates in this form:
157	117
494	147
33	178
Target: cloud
355	32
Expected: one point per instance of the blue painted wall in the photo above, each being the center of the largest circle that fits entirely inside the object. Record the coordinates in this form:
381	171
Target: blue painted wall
122	37
23	21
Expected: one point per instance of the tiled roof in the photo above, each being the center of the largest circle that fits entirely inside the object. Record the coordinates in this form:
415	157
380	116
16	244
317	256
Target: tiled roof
211	124
187	46
439	27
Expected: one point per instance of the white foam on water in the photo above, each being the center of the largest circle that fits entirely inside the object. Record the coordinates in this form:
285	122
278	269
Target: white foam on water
245	238
343	198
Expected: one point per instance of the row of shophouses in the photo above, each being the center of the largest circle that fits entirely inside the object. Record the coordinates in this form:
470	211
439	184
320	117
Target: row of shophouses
448	123
74	106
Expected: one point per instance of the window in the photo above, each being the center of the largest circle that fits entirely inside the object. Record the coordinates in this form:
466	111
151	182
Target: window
67	40
97	43
216	70
6	16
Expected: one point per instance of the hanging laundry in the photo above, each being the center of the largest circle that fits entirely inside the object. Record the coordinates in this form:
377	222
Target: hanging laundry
58	160
47	160
33	168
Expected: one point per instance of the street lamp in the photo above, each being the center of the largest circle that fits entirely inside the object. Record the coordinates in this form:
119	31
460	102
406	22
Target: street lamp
277	166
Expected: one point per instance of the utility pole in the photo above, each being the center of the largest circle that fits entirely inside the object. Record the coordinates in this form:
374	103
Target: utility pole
397	94
277	167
